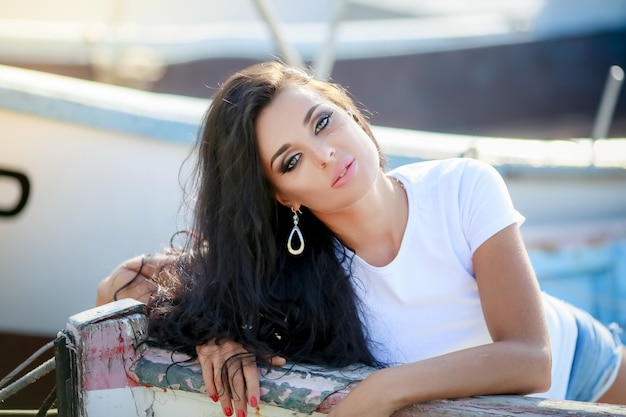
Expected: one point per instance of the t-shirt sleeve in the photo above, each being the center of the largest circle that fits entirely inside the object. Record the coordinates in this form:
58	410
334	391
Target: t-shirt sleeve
485	203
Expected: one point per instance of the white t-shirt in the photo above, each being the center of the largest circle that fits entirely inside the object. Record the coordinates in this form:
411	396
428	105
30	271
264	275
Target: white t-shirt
425	302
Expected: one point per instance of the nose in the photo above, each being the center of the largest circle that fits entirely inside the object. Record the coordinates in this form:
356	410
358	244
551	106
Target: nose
324	154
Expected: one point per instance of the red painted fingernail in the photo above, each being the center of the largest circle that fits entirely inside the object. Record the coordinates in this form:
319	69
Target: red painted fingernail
241	413
253	401
228	412
215	398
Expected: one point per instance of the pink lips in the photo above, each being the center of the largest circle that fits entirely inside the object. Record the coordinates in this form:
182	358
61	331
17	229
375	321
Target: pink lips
345	172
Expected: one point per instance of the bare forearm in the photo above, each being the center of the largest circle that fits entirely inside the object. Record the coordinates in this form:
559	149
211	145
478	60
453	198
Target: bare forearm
498	368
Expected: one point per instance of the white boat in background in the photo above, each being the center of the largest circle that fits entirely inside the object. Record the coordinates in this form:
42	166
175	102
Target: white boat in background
103	165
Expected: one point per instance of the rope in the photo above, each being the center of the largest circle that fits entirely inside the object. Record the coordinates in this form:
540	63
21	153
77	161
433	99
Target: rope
24	364
27	379
52	412
47	403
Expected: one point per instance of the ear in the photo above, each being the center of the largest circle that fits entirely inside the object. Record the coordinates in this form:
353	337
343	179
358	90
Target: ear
286	202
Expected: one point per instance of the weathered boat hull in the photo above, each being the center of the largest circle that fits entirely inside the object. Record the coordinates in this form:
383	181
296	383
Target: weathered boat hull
104	369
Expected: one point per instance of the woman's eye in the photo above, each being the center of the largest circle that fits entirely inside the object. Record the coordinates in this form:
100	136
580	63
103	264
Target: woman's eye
323	122
291	163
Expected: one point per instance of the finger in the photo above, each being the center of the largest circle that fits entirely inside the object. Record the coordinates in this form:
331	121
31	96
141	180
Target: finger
128	284
149	265
124	283
238	386
133	264
160	260
278	361
251	377
207	373
223	390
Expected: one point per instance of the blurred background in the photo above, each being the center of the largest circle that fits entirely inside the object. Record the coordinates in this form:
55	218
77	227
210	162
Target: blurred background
511	68
529	69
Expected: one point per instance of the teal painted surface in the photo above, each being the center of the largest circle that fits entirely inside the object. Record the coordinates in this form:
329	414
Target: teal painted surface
294	387
591	277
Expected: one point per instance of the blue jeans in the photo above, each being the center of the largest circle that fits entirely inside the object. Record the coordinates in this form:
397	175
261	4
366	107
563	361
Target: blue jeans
596	360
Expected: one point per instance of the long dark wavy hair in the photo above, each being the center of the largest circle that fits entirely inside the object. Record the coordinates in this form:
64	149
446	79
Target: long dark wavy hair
235	278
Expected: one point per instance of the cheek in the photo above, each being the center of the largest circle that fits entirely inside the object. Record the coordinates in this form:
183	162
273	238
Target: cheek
369	148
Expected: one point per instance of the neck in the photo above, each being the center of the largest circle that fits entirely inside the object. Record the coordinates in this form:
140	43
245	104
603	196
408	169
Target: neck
374	227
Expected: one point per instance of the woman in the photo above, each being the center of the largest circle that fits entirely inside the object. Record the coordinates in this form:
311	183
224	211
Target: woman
304	249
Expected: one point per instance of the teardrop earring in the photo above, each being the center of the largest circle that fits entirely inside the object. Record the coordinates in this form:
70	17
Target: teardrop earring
295	231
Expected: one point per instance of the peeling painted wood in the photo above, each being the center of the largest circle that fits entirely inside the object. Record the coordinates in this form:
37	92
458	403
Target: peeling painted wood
304	390
294	387
107	341
117	371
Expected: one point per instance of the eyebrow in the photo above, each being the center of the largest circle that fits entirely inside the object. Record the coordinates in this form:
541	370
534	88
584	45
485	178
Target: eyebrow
308	115
278	152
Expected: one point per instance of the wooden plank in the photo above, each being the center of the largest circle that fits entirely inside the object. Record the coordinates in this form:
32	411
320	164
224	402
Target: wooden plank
300	388
111	357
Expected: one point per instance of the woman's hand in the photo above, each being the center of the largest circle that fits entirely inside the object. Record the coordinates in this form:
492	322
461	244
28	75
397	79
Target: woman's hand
133	279
241	384
367	399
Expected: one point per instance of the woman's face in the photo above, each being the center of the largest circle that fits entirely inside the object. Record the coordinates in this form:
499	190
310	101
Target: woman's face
314	153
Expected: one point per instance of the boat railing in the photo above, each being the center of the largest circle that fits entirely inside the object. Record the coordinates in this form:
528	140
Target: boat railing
105	367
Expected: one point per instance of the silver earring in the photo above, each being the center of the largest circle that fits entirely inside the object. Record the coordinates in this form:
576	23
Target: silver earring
295	231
